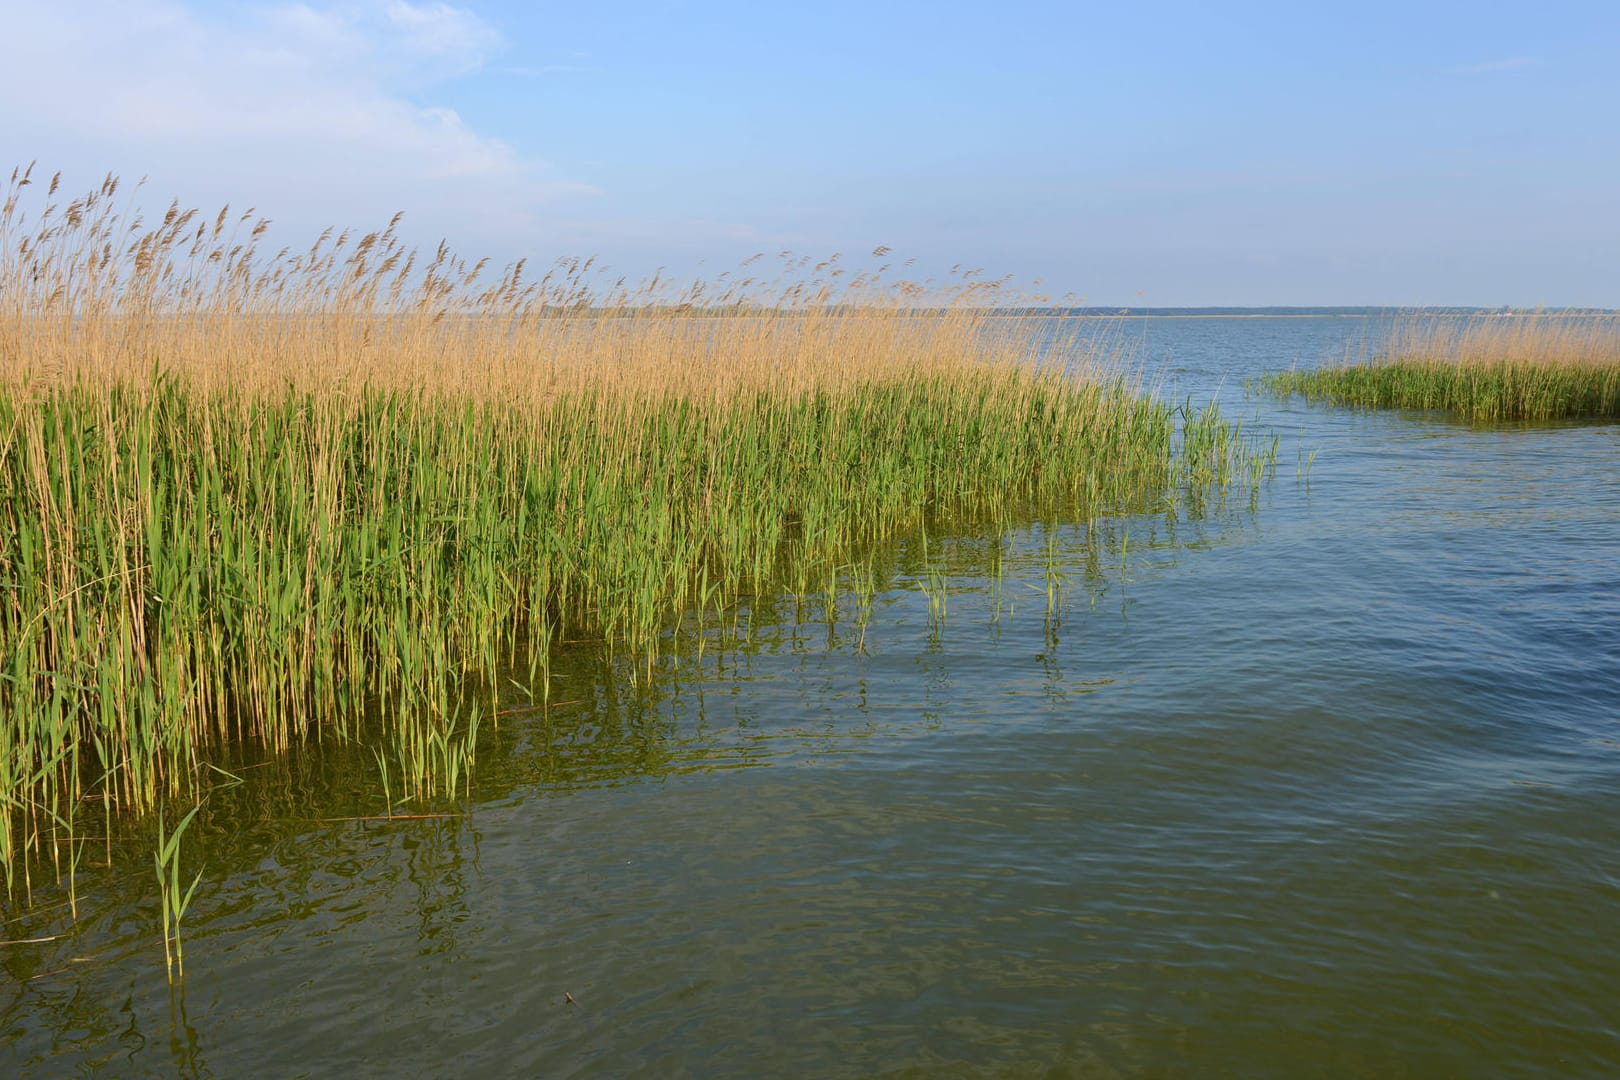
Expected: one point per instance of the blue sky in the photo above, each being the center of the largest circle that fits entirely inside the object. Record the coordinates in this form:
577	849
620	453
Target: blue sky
1146	154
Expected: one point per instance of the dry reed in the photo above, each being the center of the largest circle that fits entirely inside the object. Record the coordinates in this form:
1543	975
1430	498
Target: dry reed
1488	369
274	497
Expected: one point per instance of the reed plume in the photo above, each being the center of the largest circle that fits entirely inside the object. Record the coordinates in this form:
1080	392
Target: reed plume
259	497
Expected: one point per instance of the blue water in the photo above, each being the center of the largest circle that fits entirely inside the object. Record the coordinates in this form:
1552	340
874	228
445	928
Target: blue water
1325	784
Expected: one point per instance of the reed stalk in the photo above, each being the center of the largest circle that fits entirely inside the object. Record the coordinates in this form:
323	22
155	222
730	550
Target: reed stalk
166	859
1489	369
251	498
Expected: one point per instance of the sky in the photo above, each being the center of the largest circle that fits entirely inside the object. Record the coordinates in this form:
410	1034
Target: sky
1150	154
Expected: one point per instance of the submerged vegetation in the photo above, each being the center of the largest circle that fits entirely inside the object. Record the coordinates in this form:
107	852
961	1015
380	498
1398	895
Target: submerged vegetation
257	500
1487	369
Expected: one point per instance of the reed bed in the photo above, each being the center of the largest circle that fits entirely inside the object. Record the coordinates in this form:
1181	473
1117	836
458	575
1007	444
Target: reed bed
1489	369
252	498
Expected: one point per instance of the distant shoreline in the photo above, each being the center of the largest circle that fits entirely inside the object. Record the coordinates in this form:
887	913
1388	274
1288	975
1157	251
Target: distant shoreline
1196	315
1341	315
1383	313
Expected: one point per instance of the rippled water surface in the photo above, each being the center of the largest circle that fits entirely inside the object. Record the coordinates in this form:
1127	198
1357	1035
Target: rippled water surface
1326	785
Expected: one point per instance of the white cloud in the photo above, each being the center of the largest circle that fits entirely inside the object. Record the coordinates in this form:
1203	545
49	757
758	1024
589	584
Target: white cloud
317	111
444	31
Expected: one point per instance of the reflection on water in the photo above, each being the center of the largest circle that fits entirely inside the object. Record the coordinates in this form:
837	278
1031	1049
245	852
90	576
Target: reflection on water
1322	788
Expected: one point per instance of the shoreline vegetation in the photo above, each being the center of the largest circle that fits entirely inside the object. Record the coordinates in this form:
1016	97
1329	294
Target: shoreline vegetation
1484	370
253	500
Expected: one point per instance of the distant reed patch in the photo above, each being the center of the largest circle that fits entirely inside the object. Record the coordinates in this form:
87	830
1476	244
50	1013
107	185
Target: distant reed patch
1493	368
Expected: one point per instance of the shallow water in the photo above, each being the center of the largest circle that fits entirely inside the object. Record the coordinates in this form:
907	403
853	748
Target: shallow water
1326	785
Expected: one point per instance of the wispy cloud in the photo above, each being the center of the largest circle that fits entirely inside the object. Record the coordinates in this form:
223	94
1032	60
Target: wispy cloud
535	71
444	31
1512	63
315	101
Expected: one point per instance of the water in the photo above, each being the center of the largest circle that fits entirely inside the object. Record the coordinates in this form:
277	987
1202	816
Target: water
1322	786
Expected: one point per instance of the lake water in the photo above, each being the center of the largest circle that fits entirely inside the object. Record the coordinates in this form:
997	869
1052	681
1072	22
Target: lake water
1325	785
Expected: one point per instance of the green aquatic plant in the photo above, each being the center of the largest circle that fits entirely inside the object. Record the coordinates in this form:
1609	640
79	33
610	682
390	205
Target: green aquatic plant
1488	370
935	585
1056	578
166	858
261	501
864	591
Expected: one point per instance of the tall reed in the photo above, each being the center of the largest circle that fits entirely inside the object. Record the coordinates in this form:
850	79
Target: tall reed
276	498
1493	368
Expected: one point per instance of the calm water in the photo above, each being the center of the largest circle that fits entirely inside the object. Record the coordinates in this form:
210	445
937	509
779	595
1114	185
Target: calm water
1325	786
